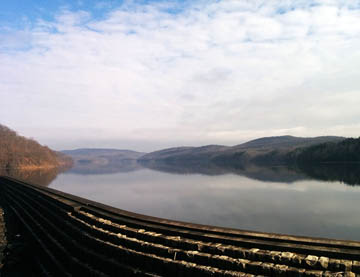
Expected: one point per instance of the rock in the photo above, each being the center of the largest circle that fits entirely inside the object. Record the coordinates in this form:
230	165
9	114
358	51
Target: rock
311	260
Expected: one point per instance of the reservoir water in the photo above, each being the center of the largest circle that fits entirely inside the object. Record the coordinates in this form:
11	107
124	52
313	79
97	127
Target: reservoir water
316	202
261	199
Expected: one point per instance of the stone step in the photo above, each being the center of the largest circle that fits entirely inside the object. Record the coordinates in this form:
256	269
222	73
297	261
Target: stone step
79	255
162	265
130	242
73	202
3	241
217	249
267	247
222	261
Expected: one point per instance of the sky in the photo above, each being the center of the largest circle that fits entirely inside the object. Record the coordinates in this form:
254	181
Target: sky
147	75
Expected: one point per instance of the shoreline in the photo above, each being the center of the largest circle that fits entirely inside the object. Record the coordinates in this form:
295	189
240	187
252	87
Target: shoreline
28	167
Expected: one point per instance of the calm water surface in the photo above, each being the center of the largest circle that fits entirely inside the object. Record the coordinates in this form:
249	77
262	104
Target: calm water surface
301	206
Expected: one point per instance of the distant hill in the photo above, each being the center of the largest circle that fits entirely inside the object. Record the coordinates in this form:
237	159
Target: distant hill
103	152
277	159
18	152
103	160
270	150
286	142
185	153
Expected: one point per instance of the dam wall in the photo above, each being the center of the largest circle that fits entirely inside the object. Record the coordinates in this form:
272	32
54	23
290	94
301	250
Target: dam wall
73	236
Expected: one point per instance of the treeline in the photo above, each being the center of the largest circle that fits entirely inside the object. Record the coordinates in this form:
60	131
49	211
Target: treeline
19	152
347	150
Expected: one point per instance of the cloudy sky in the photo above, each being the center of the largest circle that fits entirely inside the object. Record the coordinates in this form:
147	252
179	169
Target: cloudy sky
146	75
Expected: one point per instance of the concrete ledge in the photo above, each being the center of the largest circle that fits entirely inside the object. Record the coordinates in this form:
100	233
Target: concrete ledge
83	236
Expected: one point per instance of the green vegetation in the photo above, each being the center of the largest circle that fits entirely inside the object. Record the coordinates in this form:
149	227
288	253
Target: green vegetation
18	152
347	150
263	151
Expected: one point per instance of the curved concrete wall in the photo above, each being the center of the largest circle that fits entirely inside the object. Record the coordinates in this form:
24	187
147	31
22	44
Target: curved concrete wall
77	237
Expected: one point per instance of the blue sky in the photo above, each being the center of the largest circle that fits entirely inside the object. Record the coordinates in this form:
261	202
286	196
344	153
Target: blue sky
147	75
19	14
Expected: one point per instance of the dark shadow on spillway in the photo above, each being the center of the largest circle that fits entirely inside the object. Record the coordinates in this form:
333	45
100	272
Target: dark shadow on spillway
68	235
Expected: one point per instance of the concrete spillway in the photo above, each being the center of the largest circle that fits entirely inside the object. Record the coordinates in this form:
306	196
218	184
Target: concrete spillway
72	236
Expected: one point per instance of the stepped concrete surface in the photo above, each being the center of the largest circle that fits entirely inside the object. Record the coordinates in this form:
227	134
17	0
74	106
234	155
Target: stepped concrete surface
2	237
73	236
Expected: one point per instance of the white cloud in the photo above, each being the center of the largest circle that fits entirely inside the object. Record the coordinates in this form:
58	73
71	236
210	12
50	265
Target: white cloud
216	72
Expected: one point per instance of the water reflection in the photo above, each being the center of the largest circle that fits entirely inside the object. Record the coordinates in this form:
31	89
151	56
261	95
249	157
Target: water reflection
86	167
283	174
306	207
306	200
348	173
41	177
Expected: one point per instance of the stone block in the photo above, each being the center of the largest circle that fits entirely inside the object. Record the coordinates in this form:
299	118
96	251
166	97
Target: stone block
286	257
260	255
230	273
252	253
254	267
267	268
280	270
275	256
346	265
313	273
298	259
311	260
242	264
295	272
324	262
334	265
356	267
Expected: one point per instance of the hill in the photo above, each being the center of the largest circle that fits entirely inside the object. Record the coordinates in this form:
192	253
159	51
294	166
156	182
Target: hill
103	160
286	142
18	152
185	153
269	150
347	150
102	152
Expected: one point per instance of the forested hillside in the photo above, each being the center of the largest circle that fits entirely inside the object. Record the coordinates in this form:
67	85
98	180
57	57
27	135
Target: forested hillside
19	152
262	151
347	150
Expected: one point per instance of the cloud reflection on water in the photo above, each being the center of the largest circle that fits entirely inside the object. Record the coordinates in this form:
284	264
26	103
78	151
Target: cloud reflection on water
240	199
